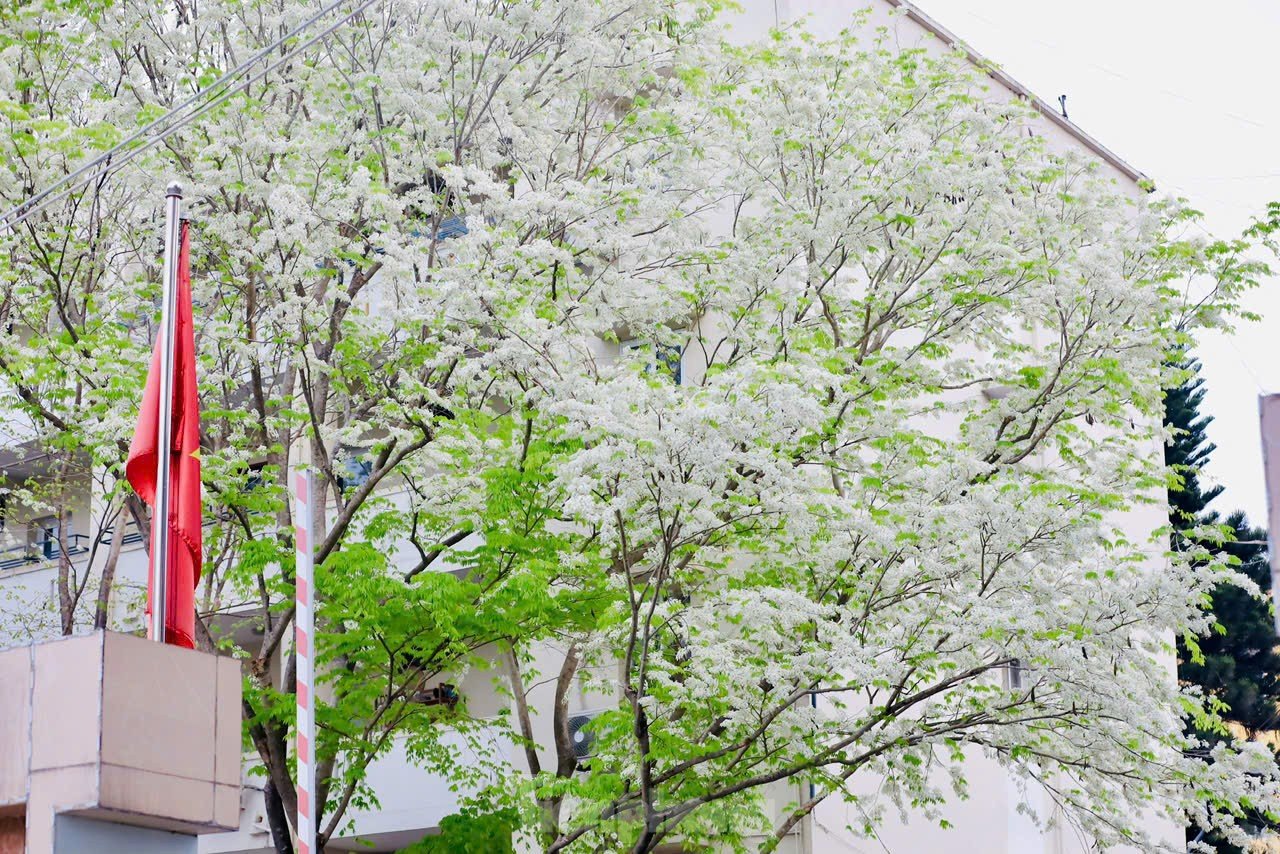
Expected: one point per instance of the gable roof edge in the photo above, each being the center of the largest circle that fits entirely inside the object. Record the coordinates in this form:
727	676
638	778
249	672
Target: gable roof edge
1043	107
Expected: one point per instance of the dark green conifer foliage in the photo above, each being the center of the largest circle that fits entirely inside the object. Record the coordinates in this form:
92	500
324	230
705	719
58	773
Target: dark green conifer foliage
1189	450
1241	666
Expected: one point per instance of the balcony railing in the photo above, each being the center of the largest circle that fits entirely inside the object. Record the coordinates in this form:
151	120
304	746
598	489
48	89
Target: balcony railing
454	226
39	551
449	228
131	536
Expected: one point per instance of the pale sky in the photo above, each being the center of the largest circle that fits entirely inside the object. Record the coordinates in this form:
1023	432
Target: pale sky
1187	93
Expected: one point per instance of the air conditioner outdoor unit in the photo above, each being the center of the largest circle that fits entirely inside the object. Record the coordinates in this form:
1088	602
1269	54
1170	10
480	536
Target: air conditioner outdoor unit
580	736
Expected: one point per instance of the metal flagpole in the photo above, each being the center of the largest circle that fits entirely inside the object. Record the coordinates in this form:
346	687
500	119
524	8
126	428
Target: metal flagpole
164	443
304	646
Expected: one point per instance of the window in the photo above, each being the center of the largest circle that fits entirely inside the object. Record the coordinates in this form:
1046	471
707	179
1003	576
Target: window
42	537
352	467
419	686
253	480
665	358
1015	675
443	220
443	694
454	226
256	477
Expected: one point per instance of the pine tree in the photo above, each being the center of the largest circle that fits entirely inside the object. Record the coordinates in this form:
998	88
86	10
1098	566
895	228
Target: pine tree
1239	664
1189	449
1242	667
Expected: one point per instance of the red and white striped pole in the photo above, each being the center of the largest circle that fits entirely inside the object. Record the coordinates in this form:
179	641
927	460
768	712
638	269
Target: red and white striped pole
304	644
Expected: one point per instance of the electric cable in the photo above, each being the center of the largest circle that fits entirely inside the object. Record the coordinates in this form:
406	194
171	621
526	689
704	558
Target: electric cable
90	171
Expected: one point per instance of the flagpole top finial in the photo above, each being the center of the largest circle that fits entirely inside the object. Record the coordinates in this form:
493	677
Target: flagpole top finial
174	189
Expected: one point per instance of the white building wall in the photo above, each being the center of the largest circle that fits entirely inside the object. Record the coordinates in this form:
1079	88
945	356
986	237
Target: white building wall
990	821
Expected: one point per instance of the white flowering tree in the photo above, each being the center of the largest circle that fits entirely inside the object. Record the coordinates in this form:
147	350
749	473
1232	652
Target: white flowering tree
875	492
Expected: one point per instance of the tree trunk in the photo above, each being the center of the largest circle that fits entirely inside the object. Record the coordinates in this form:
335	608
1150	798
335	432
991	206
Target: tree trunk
269	739
108	579
141	519
277	820
66	601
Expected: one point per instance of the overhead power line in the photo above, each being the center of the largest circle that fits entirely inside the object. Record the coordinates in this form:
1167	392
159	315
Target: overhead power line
161	128
1149	83
1263	176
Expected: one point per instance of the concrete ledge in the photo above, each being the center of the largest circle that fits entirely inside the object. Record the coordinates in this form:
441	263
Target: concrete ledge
105	732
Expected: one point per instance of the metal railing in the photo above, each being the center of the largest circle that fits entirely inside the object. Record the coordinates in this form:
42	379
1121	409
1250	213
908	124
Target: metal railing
454	226
131	536
45	549
449	228
42	550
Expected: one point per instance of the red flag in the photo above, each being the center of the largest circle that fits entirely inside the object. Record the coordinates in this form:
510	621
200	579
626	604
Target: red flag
184	467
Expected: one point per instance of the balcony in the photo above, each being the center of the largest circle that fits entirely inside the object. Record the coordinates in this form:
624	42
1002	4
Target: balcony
41	550
454	226
132	536
47	548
